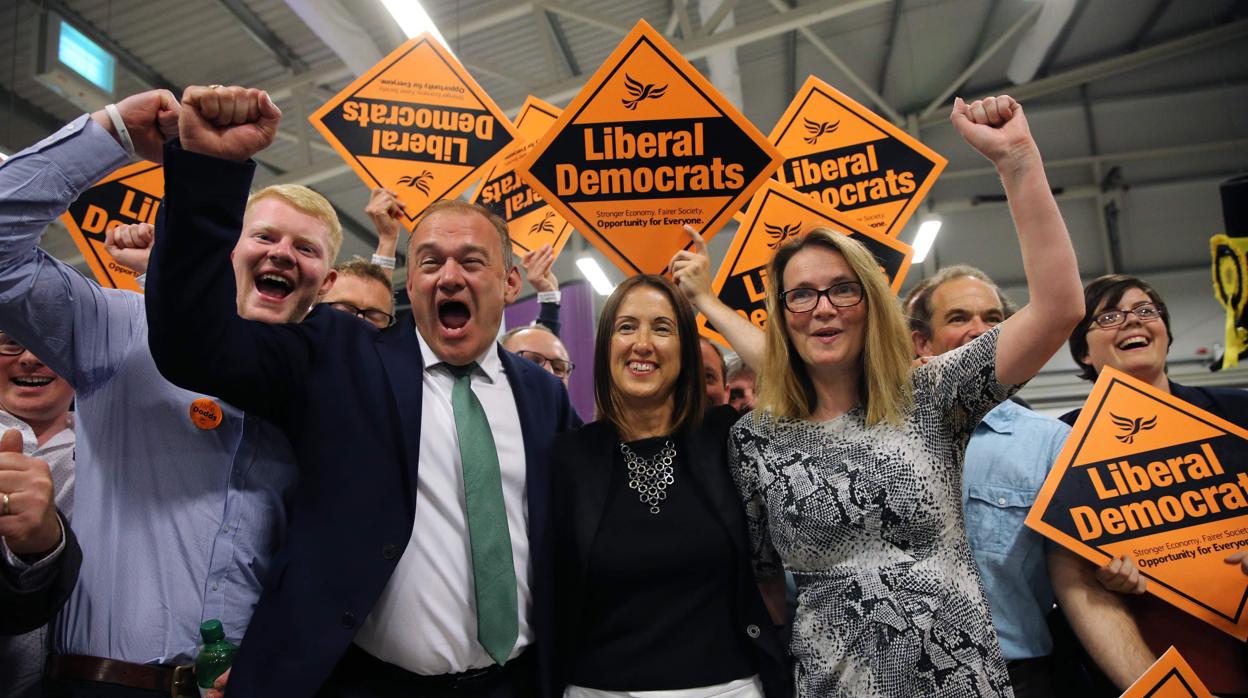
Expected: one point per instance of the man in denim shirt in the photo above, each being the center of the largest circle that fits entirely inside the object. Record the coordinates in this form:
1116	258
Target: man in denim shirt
1006	462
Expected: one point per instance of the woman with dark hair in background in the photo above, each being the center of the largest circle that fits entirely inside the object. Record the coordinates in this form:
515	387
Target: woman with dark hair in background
851	463
1126	326
652	567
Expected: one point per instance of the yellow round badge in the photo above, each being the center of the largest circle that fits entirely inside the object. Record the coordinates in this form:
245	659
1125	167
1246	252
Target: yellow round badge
206	413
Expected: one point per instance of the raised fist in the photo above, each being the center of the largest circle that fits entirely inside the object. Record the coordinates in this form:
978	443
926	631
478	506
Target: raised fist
231	123
151	118
131	244
28	520
385	210
996	127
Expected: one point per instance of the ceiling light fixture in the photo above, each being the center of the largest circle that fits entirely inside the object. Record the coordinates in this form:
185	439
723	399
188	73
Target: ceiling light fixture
925	237
413	19
595	275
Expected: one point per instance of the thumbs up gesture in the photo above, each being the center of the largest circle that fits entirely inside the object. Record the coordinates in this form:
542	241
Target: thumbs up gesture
28	519
231	123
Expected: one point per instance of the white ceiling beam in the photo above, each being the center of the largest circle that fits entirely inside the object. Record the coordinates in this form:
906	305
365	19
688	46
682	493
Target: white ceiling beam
1109	67
710	24
591	18
1114	158
681	9
822	47
1021	23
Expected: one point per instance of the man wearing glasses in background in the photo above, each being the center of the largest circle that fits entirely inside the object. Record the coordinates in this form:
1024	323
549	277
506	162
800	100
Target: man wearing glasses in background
363	290
539	345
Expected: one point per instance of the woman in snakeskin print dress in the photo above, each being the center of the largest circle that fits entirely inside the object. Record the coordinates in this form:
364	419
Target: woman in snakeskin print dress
851	468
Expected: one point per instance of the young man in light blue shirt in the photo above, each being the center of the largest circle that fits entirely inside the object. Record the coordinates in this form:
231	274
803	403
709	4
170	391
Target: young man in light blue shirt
179	496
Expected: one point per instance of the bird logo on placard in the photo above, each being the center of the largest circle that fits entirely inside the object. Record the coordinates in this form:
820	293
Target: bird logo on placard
819	128
543	226
420	182
640	92
1132	427
780	233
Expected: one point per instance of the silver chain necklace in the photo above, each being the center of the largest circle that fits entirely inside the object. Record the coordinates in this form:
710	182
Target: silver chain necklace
649	477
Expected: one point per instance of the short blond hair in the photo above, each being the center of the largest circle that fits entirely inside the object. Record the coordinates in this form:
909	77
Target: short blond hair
885	388
307	202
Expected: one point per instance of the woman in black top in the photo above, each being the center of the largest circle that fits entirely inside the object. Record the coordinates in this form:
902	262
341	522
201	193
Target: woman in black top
653	585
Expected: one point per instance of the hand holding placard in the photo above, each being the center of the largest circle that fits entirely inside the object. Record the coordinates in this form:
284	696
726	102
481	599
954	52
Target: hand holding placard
130	245
231	123
538	268
692	270
385	211
1122	576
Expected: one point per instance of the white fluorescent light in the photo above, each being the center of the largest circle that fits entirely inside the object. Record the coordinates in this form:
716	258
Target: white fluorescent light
413	19
595	275
924	239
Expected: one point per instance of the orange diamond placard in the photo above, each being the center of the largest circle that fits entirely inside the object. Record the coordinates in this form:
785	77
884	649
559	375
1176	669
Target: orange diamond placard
1169	677
416	123
776	214
129	195
852	159
1146	474
531	221
647	147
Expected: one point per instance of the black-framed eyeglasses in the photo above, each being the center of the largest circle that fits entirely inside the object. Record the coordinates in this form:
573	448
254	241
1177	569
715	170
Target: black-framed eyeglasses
845	294
10	346
376	316
559	367
1144	312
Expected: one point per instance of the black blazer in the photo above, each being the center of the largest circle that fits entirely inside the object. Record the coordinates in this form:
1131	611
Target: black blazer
28	609
580	470
349	398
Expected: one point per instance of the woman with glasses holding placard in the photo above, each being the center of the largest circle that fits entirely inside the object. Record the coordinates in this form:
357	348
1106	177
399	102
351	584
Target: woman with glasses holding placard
850	465
1127	327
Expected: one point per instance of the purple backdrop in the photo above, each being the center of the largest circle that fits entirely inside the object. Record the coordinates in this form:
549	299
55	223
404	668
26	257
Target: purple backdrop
576	313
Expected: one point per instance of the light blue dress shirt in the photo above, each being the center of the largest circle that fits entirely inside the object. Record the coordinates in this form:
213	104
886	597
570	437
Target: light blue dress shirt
177	524
1009	455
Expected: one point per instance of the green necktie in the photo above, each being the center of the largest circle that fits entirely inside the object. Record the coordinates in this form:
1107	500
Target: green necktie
493	574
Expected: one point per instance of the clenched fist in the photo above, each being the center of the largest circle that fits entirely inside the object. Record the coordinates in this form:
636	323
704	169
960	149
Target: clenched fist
151	118
130	245
231	123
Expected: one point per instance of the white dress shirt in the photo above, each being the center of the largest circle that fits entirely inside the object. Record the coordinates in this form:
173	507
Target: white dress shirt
426	618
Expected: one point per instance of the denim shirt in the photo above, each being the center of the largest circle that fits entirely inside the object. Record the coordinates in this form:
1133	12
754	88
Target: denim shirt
177	523
1007	460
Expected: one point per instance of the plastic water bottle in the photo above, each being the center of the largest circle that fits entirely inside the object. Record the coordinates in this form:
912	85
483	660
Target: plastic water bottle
215	656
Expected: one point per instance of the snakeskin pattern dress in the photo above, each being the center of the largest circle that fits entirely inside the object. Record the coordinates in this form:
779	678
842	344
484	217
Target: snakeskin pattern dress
869	521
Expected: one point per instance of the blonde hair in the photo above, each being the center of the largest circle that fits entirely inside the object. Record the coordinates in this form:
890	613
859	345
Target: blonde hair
885	387
307	202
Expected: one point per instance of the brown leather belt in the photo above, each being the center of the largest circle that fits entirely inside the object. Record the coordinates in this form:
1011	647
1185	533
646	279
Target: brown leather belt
176	681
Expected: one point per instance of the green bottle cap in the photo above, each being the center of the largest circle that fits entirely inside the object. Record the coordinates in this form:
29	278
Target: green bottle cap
211	631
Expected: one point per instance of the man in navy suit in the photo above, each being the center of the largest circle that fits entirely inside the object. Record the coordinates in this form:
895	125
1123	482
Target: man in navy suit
387	583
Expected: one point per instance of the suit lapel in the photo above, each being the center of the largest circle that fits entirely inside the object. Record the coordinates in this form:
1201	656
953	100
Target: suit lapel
404	365
595	447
